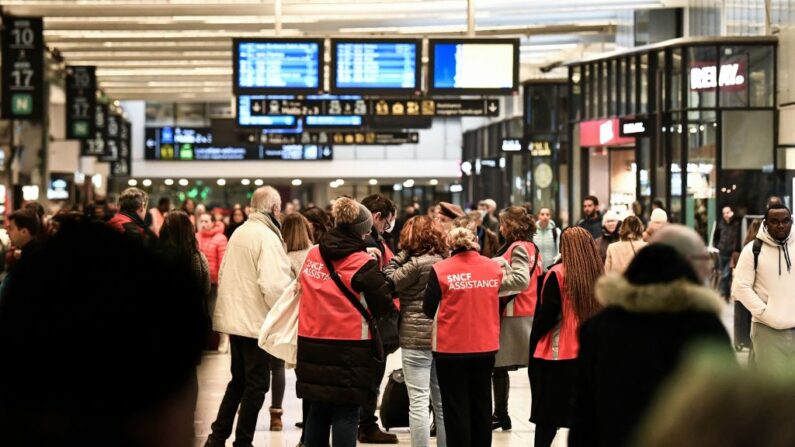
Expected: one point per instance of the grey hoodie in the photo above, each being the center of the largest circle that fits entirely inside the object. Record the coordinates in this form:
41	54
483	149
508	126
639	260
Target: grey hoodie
548	244
768	291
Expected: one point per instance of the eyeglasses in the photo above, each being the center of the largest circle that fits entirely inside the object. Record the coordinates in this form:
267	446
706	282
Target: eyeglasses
387	225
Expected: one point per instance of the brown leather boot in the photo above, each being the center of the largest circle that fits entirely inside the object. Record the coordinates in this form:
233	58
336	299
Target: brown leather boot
374	435
276	419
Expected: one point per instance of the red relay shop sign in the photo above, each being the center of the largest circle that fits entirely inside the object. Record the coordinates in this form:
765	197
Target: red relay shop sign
603	133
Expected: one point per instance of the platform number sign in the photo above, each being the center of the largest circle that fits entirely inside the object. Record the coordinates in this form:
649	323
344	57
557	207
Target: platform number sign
81	101
22	48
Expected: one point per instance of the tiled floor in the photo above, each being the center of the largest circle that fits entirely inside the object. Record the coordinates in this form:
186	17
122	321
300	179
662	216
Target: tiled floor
214	374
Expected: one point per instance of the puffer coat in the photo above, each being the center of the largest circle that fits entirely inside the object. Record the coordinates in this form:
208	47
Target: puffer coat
407	276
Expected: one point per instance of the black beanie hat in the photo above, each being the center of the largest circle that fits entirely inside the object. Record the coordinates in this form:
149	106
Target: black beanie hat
658	263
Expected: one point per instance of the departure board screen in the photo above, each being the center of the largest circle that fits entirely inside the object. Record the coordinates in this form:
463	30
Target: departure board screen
476	66
267	66
246	119
372	66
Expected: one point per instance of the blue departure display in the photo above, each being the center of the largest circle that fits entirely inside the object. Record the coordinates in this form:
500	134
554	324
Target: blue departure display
278	65
376	65
474	65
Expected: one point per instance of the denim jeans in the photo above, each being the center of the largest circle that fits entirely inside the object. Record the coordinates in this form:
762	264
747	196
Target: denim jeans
725	283
419	370
341	420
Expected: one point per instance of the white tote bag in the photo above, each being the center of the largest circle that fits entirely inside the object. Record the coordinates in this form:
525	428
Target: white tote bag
279	333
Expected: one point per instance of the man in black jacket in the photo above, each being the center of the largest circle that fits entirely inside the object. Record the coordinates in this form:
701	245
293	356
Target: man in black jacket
727	241
383	211
592	218
129	221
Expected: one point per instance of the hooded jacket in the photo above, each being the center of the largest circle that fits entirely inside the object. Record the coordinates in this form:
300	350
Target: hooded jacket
628	350
344	371
548	242
254	273
213	244
767	292
592	224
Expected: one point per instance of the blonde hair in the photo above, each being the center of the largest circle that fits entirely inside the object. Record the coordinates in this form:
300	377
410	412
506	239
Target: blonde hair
296	232
345	211
462	237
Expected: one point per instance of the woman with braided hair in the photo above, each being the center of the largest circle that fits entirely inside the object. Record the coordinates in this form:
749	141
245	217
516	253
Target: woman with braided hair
567	300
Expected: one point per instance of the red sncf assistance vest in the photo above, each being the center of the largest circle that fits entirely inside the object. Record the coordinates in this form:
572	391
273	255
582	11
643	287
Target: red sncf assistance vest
524	304
324	312
468	319
560	343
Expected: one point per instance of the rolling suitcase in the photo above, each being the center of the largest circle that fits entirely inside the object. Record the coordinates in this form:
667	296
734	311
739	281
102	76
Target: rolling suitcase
395	403
742	327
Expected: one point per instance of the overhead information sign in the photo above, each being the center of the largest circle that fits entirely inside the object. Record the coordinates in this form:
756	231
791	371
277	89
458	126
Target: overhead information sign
112	135
373	107
96	146
187	144
123	166
81	101
262	66
344	138
375	65
473	66
22	48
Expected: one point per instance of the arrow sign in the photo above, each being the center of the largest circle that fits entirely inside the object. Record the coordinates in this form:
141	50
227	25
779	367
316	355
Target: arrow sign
493	107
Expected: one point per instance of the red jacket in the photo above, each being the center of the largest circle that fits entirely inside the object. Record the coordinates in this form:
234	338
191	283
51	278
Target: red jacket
560	343
213	244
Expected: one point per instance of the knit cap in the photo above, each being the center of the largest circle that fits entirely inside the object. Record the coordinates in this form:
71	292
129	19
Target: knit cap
659	215
353	215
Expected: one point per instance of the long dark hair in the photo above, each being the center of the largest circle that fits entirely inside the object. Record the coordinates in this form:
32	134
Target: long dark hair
583	267
177	234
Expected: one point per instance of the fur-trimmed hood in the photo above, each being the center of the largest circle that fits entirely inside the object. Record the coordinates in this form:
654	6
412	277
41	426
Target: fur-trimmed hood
674	297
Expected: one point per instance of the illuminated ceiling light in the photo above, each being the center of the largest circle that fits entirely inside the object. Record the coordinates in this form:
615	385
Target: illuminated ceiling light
147	182
245	182
259	182
408	183
340	181
397	187
296	182
456	188
168	182
183	182
220	182
373	182
132	182
334	184
434	182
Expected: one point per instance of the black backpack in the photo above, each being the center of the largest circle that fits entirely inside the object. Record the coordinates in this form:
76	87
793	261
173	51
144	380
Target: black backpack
756	249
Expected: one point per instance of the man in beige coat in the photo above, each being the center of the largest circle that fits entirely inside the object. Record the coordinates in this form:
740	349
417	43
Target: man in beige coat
254	273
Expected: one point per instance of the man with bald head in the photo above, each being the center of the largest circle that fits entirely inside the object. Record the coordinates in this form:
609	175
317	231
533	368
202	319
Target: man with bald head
254	273
688	244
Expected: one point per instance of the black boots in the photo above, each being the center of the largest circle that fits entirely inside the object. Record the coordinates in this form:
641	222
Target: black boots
501	384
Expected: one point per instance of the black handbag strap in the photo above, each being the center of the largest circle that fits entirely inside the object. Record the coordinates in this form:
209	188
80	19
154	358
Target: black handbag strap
345	290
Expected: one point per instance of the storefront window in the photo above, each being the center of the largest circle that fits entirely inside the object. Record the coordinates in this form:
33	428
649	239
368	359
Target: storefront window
747	140
701	171
644	83
702	77
660	81
676	79
746	76
632	87
540	108
674	141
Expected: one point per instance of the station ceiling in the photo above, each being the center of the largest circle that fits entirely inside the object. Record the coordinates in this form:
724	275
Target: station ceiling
180	50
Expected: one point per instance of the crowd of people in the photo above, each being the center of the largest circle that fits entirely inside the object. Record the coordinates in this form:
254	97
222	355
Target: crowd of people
602	315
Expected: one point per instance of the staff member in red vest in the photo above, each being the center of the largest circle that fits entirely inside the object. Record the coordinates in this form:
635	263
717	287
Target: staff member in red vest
462	296
567	300
517	227
336	370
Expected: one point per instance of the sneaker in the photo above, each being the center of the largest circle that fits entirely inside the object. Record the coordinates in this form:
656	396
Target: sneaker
374	435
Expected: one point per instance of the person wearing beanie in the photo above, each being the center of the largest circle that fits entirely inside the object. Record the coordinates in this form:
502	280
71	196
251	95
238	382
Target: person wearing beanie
336	369
652	315
611	225
463	299
658	219
448	212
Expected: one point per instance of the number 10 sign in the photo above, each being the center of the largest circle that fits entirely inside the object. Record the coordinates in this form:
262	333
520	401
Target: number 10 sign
23	68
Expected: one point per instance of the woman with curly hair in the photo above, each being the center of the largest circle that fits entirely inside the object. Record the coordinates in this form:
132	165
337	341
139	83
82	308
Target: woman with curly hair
567	300
423	245
517	227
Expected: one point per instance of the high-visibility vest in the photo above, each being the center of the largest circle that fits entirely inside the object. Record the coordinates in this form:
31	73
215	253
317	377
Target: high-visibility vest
561	342
325	312
524	304
468	318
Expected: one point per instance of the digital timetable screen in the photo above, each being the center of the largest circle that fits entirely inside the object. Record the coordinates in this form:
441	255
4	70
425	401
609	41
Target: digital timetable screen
474	66
373	65
263	66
